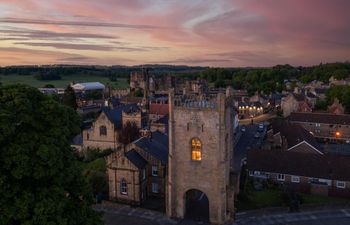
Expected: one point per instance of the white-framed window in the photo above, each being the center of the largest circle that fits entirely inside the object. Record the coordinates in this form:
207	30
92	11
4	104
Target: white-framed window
123	187
143	174
340	184
251	173
295	179
325	181
317	125
155	188
280	177
154	171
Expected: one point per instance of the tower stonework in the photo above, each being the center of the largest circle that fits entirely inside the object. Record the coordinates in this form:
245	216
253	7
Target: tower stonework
200	156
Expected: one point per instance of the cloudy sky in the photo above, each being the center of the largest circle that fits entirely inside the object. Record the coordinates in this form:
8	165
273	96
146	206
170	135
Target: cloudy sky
192	32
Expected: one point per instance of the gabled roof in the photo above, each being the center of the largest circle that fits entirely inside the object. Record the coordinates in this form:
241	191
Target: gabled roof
163	120
299	97
326	118
294	133
115	115
328	166
136	159
157	145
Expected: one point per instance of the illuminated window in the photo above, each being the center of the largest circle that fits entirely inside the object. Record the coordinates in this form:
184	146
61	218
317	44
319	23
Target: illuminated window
196	147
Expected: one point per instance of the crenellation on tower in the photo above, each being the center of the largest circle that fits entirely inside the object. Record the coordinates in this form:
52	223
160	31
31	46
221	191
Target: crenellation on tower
200	155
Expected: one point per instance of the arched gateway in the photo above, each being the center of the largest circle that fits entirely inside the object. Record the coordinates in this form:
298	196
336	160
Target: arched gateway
196	205
199	183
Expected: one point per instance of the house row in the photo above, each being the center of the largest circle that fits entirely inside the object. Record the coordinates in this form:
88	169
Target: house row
314	173
324	125
295	159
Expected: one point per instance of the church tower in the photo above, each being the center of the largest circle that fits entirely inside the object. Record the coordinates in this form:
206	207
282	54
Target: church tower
199	183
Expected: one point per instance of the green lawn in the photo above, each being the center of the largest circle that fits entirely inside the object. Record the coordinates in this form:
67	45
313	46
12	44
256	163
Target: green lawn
272	198
30	80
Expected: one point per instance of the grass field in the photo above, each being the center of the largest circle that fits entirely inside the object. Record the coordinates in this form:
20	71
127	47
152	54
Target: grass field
272	198
30	80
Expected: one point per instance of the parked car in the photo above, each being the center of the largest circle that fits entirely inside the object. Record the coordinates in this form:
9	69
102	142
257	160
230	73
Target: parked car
261	127
257	135
243	129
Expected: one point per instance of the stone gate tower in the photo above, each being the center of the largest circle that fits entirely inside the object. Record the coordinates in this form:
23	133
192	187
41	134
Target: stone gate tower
200	156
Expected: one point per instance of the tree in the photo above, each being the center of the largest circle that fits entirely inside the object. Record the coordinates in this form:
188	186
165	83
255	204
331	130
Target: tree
40	180
94	94
69	98
49	86
138	93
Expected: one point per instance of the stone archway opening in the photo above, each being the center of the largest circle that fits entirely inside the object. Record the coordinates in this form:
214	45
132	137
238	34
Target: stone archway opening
197	205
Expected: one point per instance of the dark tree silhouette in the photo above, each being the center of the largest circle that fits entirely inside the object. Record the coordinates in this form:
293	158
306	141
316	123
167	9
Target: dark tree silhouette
41	181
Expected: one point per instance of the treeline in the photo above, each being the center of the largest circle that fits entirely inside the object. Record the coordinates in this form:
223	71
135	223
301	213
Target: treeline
271	79
106	71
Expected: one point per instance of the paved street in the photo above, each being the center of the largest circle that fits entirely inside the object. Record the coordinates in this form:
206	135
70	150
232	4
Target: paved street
257	119
338	217
246	141
136	216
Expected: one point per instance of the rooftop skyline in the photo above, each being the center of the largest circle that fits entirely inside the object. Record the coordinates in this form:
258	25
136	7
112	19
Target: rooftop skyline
197	32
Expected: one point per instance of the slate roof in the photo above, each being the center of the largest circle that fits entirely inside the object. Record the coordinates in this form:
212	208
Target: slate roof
157	145
325	118
115	115
163	120
256	104
320	90
328	166
294	133
136	159
310	95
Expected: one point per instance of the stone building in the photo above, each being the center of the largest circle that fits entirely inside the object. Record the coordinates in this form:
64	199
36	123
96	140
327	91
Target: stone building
295	103
336	108
200	181
104	132
137	172
158	108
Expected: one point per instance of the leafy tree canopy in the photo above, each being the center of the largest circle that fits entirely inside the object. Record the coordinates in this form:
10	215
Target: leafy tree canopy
40	180
69	98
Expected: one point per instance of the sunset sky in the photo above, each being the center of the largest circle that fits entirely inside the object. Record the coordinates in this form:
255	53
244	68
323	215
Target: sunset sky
191	32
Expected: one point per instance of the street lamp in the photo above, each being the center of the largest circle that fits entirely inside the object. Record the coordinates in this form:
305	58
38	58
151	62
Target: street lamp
337	134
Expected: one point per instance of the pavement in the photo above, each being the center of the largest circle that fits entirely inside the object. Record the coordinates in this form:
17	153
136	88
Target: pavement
137	216
323	217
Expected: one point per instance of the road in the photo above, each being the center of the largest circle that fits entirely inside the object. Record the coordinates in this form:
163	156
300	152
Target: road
258	119
137	216
246	141
323	217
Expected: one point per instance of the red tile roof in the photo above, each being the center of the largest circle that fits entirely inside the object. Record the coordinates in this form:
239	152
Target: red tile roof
159	109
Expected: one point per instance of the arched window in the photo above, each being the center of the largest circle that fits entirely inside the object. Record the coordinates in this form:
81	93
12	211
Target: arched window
196	147
123	187
103	130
